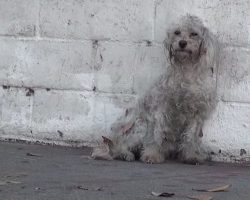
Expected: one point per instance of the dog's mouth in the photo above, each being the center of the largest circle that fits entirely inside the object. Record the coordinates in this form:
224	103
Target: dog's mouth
183	51
182	55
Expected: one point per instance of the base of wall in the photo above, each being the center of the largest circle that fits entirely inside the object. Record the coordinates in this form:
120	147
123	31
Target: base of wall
219	157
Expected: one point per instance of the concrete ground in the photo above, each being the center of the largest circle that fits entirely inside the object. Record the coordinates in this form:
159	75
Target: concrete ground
35	172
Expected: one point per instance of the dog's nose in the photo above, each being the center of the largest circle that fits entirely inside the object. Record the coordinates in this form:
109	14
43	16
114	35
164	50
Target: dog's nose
183	44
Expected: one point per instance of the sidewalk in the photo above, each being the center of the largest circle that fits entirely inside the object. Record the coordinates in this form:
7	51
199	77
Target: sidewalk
35	172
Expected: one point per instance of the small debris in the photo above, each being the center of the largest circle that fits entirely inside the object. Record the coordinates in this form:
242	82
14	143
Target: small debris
80	187
163	194
25	161
32	154
6	87
217	189
37	188
201	133
200	197
95	44
101	57
242	152
149	43
60	133
99	189
212	70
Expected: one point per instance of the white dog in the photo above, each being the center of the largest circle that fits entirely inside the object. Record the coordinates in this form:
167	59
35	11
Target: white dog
167	123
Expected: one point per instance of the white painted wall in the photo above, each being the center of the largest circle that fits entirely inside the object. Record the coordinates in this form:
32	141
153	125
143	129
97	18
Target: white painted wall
68	68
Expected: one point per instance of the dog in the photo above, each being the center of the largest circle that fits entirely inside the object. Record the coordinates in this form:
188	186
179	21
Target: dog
167	121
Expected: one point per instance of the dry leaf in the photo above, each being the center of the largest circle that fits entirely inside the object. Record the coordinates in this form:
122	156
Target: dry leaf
163	194
223	188
200	197
32	154
99	189
81	187
9	182
220	189
14	182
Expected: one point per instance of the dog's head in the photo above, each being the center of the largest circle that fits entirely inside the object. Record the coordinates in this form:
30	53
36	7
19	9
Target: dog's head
189	42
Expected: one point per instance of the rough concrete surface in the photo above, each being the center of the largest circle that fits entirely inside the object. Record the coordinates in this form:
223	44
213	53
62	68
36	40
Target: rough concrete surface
54	173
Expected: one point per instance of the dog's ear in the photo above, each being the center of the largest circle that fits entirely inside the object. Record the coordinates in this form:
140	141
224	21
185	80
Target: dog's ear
168	47
208	48
205	41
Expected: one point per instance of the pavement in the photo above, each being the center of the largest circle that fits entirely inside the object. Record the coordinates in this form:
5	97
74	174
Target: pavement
36	172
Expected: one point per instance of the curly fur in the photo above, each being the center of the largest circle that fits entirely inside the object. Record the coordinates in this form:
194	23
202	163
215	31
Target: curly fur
167	122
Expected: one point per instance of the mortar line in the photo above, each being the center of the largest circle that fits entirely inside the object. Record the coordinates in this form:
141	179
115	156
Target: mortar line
128	42
236	102
67	90
50	39
32	99
154	19
38	31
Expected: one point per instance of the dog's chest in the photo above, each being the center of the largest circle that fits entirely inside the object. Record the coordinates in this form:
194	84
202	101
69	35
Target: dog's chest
188	97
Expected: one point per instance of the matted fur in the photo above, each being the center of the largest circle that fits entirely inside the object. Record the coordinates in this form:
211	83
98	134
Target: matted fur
168	120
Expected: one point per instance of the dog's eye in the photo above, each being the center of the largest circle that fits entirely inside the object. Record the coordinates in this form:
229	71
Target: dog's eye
177	32
193	34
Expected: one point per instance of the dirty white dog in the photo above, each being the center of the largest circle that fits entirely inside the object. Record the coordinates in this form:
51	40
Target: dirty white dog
168	120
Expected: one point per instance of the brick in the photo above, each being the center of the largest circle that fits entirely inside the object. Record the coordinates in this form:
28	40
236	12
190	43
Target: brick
46	64
97	19
234	75
16	111
151	64
123	68
78	116
229	20
18	18
115	67
227	131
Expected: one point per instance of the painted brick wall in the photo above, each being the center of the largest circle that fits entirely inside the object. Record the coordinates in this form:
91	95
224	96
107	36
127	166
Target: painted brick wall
69	68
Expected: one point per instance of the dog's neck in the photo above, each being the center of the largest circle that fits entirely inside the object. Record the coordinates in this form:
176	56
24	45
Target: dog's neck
189	71
187	67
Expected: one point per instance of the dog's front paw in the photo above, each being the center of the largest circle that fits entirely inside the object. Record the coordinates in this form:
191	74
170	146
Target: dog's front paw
152	157
128	156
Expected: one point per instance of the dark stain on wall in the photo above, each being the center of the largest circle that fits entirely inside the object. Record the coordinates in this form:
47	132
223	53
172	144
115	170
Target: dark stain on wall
30	92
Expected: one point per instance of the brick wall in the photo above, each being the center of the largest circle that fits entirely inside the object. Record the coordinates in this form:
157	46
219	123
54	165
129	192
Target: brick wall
68	68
